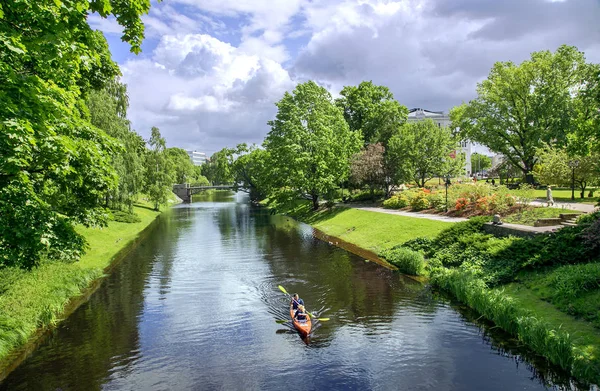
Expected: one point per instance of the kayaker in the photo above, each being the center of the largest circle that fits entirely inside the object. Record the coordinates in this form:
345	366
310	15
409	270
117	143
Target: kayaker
300	315
296	301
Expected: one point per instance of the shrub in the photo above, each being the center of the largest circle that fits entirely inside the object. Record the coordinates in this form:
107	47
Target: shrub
422	244
365	195
436	200
408	261
125	217
591	233
420	201
450	235
396	202
461	203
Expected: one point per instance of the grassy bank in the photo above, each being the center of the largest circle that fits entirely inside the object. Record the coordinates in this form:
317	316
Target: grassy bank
370	230
543	290
36	299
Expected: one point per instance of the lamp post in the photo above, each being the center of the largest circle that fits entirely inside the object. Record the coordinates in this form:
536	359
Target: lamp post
447	184
573	164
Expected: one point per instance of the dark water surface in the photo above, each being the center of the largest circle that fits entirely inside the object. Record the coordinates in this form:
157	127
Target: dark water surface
195	307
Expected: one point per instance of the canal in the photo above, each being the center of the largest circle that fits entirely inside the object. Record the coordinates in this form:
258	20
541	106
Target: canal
196	306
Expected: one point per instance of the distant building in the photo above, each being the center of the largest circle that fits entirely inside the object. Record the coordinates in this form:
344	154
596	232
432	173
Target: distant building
198	158
497	160
442	119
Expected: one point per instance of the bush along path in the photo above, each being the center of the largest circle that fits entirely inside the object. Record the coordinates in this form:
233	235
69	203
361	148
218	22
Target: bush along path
544	290
34	300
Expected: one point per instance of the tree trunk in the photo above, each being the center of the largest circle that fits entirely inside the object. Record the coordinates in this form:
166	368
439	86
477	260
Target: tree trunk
372	194
315	201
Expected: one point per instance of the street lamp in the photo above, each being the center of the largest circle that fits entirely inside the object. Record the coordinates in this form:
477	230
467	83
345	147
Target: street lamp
447	184
573	164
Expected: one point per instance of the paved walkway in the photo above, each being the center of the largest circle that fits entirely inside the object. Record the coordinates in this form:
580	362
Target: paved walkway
408	214
570	206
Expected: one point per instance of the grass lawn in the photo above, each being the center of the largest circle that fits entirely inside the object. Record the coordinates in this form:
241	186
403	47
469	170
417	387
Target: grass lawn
37	298
373	231
564	195
586	337
531	215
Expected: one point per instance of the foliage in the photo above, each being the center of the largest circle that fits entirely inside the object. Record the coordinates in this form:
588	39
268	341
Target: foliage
55	167
574	289
397	201
367	167
310	144
408	261
125	217
480	162
250	171
108	109
218	169
520	107
422	150
591	232
372	111
419	201
36	299
159	170
554	344
553	169
183	168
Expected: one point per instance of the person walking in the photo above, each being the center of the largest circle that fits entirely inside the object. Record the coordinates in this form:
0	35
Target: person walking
549	199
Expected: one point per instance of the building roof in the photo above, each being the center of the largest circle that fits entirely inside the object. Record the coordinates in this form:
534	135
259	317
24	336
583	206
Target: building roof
422	113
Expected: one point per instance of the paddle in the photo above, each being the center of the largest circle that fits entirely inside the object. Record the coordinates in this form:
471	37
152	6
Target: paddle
309	314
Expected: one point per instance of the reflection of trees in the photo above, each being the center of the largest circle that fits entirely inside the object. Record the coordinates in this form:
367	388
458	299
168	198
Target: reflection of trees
103	332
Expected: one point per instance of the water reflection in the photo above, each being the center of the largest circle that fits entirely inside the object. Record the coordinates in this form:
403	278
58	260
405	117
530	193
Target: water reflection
194	307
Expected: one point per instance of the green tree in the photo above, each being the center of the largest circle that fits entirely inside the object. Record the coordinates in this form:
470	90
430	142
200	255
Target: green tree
159	170
183	167
553	169
480	162
367	168
218	169
250	171
371	110
310	144
519	108
422	150
108	110
55	167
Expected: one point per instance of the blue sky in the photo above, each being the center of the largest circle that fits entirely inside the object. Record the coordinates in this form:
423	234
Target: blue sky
211	70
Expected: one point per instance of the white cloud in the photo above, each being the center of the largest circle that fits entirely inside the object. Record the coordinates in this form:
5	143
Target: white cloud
204	93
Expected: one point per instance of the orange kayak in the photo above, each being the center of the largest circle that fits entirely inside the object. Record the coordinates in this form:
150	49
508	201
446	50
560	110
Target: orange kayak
302	327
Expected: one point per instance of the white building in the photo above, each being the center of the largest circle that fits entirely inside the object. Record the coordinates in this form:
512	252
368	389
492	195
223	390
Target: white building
198	158
442	119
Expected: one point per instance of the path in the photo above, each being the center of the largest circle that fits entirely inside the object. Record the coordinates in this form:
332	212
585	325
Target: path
408	214
587	208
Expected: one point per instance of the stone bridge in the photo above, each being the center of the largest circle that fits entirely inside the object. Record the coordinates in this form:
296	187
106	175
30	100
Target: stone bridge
185	191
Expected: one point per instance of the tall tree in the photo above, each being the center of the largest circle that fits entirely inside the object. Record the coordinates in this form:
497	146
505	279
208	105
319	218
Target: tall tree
367	168
250	171
423	151
108	109
519	108
183	167
55	166
553	169
371	110
480	162
310	144
218	169
159	170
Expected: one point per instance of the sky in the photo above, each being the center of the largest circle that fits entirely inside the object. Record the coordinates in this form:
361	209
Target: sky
211	71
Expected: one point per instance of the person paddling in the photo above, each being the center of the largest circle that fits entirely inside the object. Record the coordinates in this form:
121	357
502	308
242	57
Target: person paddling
300	314
296	301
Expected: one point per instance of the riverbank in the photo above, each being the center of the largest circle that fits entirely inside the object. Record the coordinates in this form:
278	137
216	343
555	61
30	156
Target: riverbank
522	285
34	301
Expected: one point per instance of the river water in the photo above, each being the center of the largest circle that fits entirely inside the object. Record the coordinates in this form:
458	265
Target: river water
196	306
